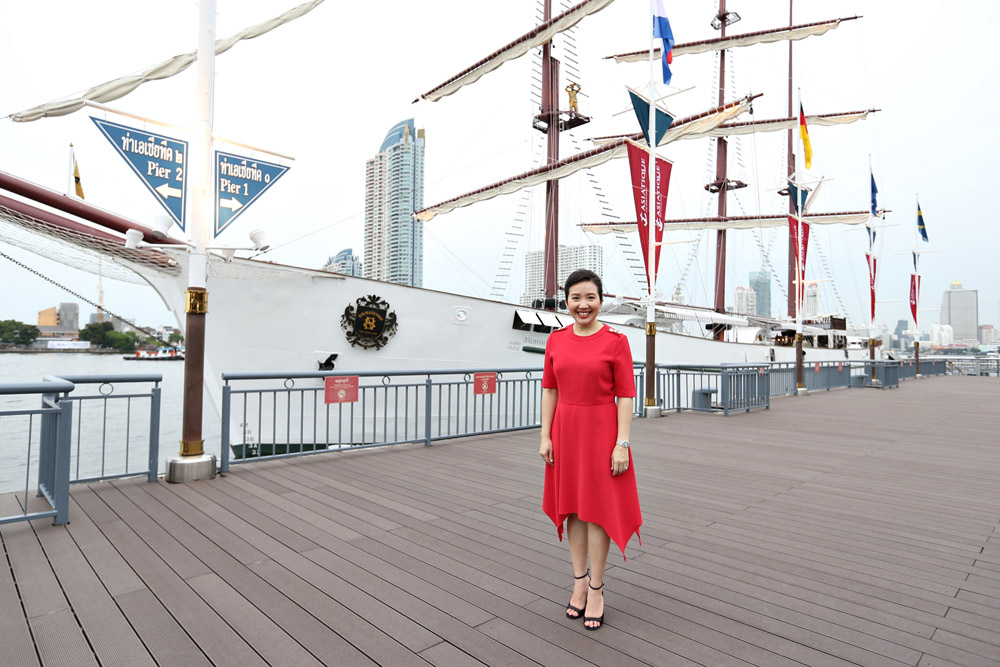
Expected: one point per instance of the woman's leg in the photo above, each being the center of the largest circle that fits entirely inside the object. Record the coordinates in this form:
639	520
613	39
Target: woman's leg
598	544
577	531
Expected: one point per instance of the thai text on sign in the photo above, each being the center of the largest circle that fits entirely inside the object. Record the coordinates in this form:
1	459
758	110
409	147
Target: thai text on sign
341	389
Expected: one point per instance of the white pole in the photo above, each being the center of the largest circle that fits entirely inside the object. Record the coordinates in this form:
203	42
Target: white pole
201	145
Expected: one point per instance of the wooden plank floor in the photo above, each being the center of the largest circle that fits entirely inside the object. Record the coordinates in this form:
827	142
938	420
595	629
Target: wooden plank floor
849	527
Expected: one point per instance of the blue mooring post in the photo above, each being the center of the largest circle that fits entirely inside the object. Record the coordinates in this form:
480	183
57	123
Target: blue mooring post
427	414
154	434
60	490
227	397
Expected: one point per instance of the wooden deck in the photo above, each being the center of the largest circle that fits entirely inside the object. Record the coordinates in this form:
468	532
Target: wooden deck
850	527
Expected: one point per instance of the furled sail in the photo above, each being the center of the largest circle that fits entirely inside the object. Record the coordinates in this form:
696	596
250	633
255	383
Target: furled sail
122	86
517	48
773	125
793	33
733	222
693	127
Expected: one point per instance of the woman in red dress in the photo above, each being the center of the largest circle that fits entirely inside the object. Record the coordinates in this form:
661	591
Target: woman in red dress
589	480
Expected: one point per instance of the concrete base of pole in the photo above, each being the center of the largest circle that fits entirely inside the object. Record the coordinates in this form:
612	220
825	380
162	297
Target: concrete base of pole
653	411
919	376
801	391
182	469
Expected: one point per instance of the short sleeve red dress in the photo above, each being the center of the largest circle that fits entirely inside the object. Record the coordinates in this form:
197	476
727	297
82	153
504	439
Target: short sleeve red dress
589	372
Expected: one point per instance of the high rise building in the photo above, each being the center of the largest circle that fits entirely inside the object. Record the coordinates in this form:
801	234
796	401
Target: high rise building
760	283
344	262
960	309
811	303
69	316
394	189
571	258
746	301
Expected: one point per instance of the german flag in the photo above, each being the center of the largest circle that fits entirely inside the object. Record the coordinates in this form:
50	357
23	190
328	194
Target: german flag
804	131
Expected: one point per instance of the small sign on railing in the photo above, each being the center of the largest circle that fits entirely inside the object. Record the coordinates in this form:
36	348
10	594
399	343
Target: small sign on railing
341	389
817	367
840	366
484	383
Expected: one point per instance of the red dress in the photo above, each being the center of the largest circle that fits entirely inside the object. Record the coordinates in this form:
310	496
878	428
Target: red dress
589	372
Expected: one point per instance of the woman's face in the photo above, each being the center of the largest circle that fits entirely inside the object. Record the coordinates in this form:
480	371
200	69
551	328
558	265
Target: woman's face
583	302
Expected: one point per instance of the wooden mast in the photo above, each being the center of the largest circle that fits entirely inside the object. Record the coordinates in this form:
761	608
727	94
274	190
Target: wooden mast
550	112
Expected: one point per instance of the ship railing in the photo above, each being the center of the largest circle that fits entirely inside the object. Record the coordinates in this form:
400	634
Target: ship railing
116	433
278	415
727	387
46	438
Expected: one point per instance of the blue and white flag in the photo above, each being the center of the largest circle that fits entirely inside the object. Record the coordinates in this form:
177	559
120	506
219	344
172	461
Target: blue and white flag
661	30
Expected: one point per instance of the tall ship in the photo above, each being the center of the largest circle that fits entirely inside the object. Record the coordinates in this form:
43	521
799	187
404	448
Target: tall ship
267	316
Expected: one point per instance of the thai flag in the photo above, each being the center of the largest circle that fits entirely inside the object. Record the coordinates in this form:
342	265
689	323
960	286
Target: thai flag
661	30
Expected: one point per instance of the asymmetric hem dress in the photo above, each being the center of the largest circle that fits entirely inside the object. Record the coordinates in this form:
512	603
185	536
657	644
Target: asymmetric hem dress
589	372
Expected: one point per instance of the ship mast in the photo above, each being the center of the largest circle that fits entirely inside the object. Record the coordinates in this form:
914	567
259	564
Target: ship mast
550	112
722	185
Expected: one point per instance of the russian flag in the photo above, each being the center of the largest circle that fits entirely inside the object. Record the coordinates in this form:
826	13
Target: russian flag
661	30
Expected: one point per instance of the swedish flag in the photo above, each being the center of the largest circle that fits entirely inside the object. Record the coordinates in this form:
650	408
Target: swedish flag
920	223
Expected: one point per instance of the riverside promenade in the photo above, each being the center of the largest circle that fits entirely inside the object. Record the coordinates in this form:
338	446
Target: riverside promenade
851	527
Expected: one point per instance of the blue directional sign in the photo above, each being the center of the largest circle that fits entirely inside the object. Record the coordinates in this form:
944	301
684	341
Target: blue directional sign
239	181
160	163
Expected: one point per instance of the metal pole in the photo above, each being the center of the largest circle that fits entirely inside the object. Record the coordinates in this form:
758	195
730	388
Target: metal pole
651	213
721	177
193	463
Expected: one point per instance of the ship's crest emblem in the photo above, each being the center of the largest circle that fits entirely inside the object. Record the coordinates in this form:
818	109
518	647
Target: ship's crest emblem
369	323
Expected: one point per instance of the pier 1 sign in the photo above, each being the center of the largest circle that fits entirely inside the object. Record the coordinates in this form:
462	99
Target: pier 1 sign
239	181
160	162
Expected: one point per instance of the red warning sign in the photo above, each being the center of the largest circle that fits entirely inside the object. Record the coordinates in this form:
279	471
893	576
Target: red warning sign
484	383
342	389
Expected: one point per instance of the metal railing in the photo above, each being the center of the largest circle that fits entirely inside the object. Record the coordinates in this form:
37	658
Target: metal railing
264	421
977	366
53	454
115	435
706	388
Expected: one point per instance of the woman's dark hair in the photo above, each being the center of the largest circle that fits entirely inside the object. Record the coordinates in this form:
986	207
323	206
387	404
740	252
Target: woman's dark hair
582	276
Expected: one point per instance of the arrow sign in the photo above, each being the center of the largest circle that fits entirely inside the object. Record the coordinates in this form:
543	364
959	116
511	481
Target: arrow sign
160	163
239	181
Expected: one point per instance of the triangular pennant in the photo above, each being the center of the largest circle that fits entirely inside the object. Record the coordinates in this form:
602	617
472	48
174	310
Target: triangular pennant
641	107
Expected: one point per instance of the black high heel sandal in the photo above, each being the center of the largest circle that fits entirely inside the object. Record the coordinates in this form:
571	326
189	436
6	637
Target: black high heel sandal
579	612
594	618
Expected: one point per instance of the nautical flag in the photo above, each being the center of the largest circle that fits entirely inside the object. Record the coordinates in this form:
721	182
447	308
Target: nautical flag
915	256
874	195
800	240
638	159
799	196
872	270
661	30
914	296
641	106
804	132
920	223
76	174
871	236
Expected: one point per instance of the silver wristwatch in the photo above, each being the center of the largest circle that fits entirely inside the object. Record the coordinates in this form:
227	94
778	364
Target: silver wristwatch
622	443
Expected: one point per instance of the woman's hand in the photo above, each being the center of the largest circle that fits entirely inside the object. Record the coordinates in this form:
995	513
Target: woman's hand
619	460
545	450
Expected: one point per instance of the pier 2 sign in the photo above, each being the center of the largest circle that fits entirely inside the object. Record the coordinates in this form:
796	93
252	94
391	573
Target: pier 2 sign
239	181
160	162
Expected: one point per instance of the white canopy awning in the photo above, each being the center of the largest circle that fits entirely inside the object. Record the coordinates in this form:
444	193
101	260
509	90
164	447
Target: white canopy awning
736	222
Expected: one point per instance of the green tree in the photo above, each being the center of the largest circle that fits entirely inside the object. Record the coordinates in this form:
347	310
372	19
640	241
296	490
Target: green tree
98	333
126	342
18	333
175	337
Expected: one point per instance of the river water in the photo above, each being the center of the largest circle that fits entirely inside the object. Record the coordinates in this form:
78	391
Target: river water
115	431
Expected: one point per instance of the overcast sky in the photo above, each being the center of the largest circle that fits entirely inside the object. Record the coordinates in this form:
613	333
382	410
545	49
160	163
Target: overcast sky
327	87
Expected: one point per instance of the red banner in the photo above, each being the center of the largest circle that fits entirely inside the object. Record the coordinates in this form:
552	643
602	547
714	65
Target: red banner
484	383
638	160
801	244
914	296
872	268
341	389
